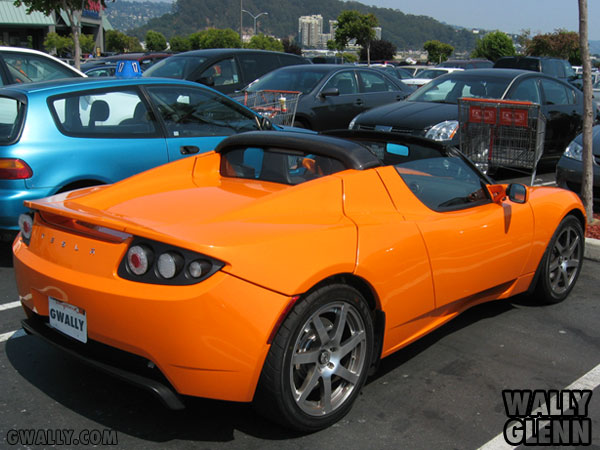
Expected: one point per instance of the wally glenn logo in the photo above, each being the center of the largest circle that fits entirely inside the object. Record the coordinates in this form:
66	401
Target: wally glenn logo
547	417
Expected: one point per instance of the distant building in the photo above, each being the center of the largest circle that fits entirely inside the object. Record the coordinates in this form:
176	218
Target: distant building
310	29
19	29
377	33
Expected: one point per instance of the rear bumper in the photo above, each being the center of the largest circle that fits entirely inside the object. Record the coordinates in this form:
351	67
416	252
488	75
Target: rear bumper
125	366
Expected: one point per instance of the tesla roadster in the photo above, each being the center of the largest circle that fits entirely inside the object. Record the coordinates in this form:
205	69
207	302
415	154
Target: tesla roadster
281	267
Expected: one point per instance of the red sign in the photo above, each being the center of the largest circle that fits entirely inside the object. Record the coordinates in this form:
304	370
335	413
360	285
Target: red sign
482	114
513	117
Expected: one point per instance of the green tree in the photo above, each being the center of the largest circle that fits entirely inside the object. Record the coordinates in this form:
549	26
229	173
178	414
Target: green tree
72	8
88	43
380	50
180	44
262	42
560	44
60	44
155	41
214	38
437	51
494	45
354	25
290	46
117	41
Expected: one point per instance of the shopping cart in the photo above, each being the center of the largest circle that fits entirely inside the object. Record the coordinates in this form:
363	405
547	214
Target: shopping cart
502	133
278	106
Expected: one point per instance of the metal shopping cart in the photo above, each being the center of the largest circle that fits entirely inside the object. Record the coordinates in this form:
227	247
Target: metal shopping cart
502	133
278	106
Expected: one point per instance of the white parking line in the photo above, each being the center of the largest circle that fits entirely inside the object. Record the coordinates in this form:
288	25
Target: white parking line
10	305
590	380
12	335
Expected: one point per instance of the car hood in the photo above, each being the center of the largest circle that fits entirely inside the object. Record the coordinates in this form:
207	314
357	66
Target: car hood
409	115
241	222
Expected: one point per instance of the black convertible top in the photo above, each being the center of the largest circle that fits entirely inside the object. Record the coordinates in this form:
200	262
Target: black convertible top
351	154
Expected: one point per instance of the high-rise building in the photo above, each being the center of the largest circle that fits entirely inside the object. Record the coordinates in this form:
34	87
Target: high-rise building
310	29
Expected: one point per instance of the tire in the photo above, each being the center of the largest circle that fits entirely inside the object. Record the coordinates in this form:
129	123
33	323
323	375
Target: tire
561	263
318	361
300	124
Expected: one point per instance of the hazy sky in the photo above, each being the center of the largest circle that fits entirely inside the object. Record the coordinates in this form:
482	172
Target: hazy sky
511	16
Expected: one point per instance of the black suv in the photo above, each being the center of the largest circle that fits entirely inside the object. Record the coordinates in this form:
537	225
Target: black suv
225	69
555	67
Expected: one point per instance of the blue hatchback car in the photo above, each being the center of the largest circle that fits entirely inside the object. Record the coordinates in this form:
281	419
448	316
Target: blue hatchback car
58	136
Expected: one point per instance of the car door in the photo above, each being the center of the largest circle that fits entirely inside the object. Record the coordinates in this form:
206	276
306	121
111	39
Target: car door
475	246
563	115
377	90
103	135
197	119
338	101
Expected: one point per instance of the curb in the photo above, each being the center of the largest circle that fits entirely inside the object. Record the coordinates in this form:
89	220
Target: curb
592	249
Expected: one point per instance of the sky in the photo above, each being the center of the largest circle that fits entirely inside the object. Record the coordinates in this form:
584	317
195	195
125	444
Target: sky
510	16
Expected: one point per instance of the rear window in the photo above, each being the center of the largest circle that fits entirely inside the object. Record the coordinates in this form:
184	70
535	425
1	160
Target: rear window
277	166
11	119
180	67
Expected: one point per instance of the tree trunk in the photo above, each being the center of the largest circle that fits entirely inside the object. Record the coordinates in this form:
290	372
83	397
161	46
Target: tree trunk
587	178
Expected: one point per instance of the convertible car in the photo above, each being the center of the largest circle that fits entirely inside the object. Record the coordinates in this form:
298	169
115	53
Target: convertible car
281	267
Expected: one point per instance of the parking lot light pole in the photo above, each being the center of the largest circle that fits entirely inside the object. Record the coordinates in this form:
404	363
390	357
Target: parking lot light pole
255	17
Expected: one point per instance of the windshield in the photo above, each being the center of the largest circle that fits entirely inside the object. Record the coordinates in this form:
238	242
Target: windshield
449	88
175	67
430	73
290	79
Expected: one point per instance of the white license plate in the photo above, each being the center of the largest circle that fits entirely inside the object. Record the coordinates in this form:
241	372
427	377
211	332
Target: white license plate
68	319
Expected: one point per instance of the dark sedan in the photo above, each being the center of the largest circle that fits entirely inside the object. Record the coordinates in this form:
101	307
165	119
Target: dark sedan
569	170
332	94
432	110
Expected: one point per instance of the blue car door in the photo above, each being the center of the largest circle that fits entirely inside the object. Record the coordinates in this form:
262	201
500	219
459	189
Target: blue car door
197	119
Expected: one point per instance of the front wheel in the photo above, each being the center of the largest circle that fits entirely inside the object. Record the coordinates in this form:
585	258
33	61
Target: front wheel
561	263
318	361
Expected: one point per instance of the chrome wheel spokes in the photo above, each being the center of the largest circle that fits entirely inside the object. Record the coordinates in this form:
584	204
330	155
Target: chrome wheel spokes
328	358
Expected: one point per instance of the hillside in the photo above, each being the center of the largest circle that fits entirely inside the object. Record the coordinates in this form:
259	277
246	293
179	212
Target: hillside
403	30
124	15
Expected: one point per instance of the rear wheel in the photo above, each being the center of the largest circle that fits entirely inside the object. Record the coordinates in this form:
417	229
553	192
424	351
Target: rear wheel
561	263
318	361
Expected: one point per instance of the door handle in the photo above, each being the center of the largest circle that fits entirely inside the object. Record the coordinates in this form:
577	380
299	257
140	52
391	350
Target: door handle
188	149
358	102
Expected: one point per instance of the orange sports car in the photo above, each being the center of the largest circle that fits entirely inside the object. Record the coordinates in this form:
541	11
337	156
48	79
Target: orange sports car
281	267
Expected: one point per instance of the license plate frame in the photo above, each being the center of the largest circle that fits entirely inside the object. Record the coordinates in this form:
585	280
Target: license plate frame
68	319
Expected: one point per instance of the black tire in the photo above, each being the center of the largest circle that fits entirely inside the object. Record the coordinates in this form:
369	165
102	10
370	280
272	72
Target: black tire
329	337
561	264
301	124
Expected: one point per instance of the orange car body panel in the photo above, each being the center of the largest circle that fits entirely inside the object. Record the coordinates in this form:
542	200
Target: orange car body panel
277	241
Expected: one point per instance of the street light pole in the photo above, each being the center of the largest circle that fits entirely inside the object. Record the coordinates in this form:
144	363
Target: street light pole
255	17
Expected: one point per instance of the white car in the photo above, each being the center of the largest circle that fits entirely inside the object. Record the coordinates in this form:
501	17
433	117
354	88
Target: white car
23	65
424	76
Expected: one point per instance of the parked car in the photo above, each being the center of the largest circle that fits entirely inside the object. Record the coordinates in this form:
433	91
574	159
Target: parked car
104	70
282	267
432	112
145	60
467	63
24	65
569	170
58	136
556	67
414	68
332	94
225	69
424	76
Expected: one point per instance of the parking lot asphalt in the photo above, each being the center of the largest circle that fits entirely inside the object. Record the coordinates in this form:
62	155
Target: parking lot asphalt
442	392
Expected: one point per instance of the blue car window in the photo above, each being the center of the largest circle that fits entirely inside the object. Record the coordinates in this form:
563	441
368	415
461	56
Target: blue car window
11	118
117	114
196	112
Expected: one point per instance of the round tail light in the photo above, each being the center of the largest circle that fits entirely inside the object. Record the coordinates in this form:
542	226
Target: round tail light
139	258
26	225
199	268
169	264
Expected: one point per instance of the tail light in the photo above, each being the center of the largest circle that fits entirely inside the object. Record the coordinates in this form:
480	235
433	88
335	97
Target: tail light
14	169
26	226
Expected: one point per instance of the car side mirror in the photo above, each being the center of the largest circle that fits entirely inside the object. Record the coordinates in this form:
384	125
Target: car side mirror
517	193
207	81
329	92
